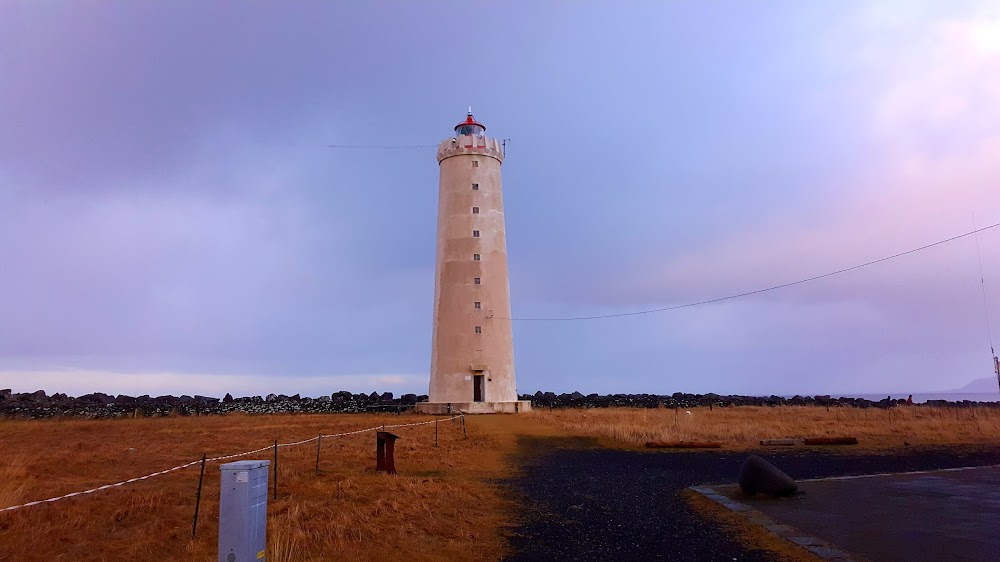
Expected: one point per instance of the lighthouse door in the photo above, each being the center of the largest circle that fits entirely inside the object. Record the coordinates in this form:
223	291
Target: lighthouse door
477	388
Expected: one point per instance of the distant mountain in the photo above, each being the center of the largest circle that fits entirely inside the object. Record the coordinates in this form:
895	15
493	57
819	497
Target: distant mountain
987	384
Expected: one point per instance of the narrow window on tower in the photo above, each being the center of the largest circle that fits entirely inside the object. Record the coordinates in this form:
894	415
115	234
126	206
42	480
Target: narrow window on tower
479	329
475	210
475	257
475	187
475	234
475	163
476	281
478	305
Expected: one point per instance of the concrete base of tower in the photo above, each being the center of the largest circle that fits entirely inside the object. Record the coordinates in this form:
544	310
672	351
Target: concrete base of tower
441	408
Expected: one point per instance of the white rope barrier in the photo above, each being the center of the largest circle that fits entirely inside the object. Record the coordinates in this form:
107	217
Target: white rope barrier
212	459
99	488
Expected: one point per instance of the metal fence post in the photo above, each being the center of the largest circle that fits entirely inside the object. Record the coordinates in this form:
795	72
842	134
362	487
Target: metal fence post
275	469
197	499
319	440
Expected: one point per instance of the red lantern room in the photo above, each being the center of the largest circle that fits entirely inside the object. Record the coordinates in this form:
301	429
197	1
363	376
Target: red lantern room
469	126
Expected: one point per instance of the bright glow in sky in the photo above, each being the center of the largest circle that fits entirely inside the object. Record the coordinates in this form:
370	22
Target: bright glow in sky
171	219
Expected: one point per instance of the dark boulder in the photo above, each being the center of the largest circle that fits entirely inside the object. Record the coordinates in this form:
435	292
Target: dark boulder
227	398
759	476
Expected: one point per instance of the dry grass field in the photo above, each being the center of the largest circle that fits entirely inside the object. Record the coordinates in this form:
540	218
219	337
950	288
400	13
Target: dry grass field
442	504
745	426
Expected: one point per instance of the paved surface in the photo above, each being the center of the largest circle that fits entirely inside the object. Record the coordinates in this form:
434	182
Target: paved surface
587	503
941	515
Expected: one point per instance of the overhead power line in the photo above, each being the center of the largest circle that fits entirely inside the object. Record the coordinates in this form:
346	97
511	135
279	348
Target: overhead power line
982	281
758	291
381	146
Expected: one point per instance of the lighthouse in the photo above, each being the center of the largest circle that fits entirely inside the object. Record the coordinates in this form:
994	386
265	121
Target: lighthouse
472	349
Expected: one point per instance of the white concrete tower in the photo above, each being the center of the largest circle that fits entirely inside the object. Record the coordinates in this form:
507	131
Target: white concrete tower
472	356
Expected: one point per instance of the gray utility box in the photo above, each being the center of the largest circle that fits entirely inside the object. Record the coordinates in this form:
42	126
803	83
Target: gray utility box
243	511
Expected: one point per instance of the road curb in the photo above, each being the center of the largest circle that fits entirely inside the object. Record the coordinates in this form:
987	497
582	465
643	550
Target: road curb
816	546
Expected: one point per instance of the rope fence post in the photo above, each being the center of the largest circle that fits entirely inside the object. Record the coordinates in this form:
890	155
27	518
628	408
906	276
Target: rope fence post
197	498
435	432
275	469
319	440
463	426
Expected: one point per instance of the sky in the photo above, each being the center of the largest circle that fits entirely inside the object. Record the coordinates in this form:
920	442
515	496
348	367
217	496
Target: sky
173	219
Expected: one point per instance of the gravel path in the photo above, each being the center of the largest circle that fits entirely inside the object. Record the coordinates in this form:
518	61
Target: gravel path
586	503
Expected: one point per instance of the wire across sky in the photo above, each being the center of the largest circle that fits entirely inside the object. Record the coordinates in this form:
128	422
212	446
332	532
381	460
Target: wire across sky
380	146
757	291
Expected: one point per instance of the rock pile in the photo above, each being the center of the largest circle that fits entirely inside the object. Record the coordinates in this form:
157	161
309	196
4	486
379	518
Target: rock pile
683	400
99	405
38	404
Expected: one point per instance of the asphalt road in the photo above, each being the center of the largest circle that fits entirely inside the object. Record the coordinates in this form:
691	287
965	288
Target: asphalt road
586	503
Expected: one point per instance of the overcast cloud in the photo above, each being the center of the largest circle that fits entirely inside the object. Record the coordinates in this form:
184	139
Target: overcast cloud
172	219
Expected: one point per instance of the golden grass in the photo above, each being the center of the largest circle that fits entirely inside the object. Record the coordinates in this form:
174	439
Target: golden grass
745	426
442	505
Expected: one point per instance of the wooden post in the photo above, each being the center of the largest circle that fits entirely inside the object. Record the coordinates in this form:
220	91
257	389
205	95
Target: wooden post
319	440
275	469
463	427
435	432
197	499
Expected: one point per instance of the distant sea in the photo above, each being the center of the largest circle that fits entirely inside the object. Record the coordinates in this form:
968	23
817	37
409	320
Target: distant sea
949	396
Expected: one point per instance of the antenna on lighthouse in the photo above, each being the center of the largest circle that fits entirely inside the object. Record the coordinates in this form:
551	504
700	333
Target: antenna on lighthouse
470	110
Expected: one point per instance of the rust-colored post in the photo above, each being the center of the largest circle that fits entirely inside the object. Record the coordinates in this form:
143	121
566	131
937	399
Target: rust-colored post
390	461
385	445
275	469
435	432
